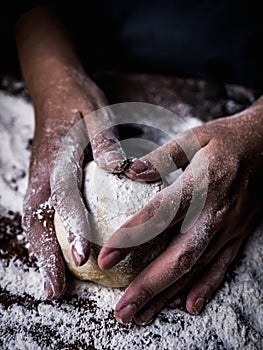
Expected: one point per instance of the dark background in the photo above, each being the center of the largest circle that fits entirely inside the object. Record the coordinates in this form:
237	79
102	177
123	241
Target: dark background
215	40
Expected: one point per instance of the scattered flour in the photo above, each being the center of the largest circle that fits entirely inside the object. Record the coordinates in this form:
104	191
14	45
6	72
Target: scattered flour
17	126
83	318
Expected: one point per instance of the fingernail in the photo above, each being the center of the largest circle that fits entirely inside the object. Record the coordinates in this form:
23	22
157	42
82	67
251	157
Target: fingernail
142	170
126	313
109	260
120	166
77	258
198	305
140	166
141	321
48	290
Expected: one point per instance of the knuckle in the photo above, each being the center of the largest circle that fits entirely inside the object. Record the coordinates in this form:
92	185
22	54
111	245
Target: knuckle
183	262
60	198
158	206
38	214
27	220
150	209
53	198
146	293
209	287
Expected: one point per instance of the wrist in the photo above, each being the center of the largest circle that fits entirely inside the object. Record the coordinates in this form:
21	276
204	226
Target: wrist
52	78
252	118
66	93
248	128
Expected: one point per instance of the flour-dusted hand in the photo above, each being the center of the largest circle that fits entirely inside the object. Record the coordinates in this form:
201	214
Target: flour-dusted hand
63	96
55	117
197	259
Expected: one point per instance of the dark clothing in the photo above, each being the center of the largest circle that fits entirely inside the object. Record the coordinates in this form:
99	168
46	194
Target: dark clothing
215	40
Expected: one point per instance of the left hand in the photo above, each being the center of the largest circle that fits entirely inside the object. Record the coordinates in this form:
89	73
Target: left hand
233	152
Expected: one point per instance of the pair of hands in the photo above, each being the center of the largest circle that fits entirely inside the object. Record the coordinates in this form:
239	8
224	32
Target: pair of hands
230	160
195	260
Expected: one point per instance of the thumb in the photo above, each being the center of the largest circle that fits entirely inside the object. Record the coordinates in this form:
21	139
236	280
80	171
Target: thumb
106	148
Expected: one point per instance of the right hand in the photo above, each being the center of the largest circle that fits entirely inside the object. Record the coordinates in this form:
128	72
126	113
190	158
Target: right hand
57	110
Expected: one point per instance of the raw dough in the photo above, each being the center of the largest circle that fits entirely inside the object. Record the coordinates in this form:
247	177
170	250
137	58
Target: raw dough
111	200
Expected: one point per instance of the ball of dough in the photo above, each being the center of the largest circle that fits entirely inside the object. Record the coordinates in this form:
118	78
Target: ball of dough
111	201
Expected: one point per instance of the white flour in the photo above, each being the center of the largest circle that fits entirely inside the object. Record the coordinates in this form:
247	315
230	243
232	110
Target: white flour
112	200
17	124
83	318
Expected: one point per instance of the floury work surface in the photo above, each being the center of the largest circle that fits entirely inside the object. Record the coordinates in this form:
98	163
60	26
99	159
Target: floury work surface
83	318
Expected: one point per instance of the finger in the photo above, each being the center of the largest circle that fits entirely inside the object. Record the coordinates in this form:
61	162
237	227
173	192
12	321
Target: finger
175	154
165	209
214	249
170	266
38	225
151	220
158	303
107	150
151	309
65	180
31	253
210	280
74	216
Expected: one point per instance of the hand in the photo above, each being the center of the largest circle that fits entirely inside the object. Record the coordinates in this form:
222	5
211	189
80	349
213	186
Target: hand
230	161
58	109
62	94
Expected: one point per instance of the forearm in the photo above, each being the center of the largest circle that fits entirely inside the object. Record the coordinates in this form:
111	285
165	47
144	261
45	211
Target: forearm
246	127
45	51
